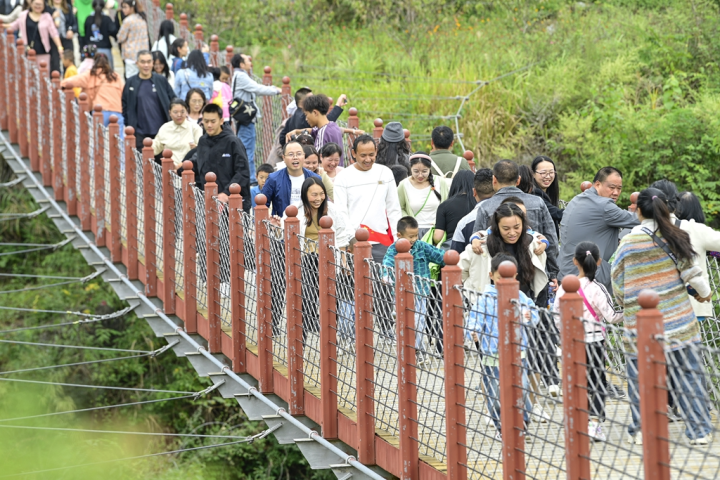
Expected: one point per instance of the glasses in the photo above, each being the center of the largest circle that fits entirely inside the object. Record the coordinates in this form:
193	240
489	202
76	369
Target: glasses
294	155
546	173
196	102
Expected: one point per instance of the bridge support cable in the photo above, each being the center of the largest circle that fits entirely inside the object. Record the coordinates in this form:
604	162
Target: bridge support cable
102	387
91	319
35	247
40	287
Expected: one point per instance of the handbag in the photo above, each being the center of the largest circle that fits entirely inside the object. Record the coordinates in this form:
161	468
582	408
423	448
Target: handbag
243	112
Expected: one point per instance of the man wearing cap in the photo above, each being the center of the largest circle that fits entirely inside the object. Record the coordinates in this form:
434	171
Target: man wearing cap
444	160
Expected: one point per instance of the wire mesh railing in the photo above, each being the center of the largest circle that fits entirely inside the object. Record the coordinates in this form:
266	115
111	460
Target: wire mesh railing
310	288
140	205
223	266
63	136
200	252
157	206
103	133
177	212
122	194
276	300
344	264
90	122
248	300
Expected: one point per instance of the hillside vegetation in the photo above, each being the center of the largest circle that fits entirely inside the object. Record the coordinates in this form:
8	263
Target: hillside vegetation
628	83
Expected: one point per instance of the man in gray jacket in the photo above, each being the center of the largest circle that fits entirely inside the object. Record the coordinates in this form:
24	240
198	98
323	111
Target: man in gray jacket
593	216
246	89
506	176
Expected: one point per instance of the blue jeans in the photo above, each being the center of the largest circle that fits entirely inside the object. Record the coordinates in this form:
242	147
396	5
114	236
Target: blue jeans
687	388
247	136
121	124
491	382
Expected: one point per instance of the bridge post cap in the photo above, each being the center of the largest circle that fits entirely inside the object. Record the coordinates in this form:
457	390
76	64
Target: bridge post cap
362	235
214	38
406	132
403	245
20	42
187	165
507	269
353	112
129	130
234	187
378	122
260	199
147	142
183	16
451	258
83	97
54	74
229	49
267	70
585	185
210	177
291	211
167	153
97	108
43	64
286	80
30	53
648	299
113	119
198	27
468	155
326	222
634	197
571	283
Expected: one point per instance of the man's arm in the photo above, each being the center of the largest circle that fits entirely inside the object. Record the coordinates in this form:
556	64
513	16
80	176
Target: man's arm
334	114
617	217
269	190
241	174
124	100
246	84
481	221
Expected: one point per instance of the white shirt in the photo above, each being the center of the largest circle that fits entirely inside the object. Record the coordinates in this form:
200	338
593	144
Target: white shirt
368	198
423	204
296	187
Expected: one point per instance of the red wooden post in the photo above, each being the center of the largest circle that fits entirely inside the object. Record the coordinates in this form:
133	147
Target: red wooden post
83	190
70	192
212	262
286	96
150	196
57	172
378	130
652	378
509	337
264	312
46	165
99	221
469	156
189	246
237	280
131	205
406	363
575	403
365	376
293	273
156	3
354	123
214	50
4	94
228	56
169	12
168	231
31	117
13	83
115	244
23	87
267	132
406	133
454	362
328	329
199	35
184	26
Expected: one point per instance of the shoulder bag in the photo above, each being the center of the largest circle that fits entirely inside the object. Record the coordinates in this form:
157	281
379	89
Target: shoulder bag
243	112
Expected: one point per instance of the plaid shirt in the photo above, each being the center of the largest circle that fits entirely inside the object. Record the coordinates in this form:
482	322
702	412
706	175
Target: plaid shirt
133	36
423	255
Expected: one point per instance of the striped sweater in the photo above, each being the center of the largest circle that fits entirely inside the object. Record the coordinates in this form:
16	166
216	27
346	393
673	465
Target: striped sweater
640	264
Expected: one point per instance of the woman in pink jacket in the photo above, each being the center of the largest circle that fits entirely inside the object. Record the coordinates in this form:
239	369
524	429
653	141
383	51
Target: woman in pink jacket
38	30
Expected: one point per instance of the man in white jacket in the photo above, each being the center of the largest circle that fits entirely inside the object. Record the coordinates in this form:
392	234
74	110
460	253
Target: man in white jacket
366	194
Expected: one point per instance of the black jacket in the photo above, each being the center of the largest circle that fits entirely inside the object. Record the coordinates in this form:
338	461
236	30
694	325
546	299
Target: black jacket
555	212
225	156
298	121
129	97
107	29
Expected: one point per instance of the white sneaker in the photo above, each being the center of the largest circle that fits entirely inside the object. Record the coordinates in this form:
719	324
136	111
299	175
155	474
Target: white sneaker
635	439
539	415
554	390
595	431
702	440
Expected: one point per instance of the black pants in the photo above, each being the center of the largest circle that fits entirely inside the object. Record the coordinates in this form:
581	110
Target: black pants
596	379
542	351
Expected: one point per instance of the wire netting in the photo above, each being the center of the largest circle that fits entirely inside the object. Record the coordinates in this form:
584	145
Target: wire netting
344	264
223	266
278	306
91	156
177	210
140	205
310	279
200	253
430	371
157	203
384	347
122	197
103	133
52	112
63	136
249	293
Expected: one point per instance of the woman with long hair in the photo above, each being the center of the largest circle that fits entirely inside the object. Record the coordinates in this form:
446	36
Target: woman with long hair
419	195
65	21
98	30
547	186
103	87
393	149
133	35
195	74
38	29
689	208
165	38
178	51
161	67
460	202
196	101
658	255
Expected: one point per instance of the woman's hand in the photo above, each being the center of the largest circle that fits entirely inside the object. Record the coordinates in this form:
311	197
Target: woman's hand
275	220
477	244
541	246
703	299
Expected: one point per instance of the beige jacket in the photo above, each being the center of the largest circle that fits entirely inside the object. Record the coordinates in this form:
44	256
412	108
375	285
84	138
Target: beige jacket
476	268
178	139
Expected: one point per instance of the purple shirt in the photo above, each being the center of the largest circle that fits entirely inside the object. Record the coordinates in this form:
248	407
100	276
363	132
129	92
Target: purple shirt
327	134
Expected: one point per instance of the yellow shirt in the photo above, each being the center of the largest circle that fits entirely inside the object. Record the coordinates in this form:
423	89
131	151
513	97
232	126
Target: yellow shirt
71	71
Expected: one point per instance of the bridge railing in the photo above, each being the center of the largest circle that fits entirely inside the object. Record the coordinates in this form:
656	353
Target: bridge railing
379	358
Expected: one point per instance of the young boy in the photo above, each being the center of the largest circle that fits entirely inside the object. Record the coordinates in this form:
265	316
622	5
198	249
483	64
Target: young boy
70	68
262	173
323	131
423	255
482	325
